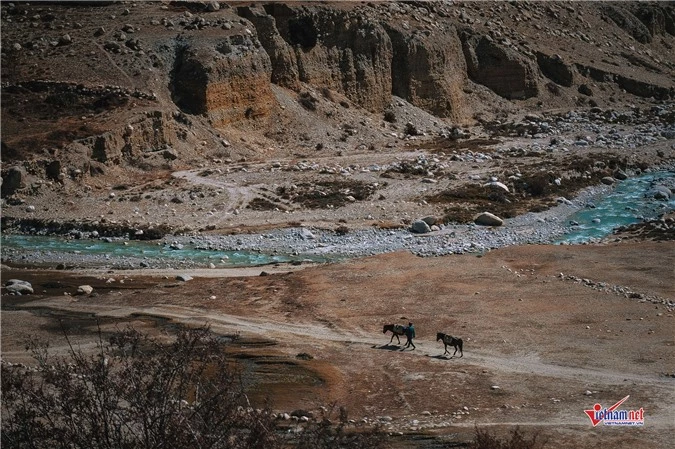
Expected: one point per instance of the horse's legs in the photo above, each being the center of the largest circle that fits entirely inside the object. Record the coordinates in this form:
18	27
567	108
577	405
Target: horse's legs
392	337
446	348
397	338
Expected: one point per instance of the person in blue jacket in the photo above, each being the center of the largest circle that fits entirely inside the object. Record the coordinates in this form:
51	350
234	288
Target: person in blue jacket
410	334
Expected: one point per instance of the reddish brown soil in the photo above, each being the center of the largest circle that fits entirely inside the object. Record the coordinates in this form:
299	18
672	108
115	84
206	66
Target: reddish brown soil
543	340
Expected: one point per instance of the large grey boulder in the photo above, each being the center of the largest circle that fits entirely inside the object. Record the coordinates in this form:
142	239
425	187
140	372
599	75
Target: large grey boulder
488	219
17	286
420	227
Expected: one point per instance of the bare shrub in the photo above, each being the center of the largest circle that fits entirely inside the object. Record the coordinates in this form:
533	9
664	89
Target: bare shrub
133	392
484	439
323	434
342	230
536	185
136	392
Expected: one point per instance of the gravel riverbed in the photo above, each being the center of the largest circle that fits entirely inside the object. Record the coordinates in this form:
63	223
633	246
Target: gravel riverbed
299	245
311	244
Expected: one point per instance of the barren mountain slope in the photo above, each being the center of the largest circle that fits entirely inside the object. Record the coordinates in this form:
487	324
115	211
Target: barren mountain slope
103	98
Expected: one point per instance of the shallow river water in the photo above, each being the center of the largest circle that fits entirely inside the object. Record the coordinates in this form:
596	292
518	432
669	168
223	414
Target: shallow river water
630	201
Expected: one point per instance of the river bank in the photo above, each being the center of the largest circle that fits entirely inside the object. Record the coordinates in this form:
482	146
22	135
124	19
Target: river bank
302	245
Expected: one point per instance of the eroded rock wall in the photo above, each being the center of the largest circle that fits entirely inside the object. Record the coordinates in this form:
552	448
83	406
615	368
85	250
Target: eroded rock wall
504	71
366	60
329	48
429	70
228	79
153	133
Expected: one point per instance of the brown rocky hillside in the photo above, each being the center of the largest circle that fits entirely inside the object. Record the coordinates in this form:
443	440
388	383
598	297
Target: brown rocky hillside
99	95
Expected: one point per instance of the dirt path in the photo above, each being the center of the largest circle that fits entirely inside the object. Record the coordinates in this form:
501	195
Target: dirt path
238	195
279	330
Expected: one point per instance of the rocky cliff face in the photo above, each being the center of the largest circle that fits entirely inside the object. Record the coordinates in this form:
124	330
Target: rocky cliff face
503	70
365	59
337	50
369	56
213	69
227	78
429	70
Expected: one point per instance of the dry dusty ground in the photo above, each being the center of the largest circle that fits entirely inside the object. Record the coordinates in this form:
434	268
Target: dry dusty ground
543	340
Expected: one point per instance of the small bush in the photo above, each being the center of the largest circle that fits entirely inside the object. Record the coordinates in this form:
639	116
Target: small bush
484	439
63	99
342	230
536	185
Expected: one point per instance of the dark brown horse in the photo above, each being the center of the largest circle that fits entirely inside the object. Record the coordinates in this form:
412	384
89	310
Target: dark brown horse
396	330
449	340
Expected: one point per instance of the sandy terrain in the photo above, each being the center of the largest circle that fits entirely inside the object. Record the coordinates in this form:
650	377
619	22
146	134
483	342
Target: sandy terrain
542	339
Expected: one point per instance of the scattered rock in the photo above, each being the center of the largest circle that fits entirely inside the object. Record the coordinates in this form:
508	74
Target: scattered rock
84	290
212	6
430	220
585	90
620	175
17	286
65	40
13	179
420	227
496	185
662	193
488	219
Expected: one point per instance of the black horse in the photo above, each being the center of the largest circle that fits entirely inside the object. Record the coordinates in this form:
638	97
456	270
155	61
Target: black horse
396	330
449	340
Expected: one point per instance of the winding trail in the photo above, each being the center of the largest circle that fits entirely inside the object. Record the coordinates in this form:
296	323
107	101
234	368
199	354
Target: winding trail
529	364
238	196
